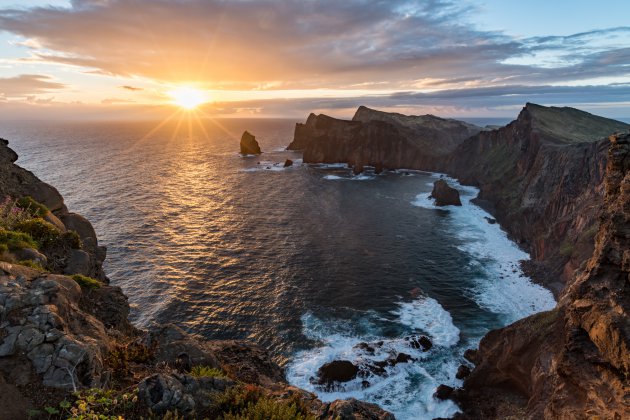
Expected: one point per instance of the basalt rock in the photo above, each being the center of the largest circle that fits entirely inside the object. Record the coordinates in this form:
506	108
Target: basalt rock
572	362
337	371
249	145
379	139
444	194
288	163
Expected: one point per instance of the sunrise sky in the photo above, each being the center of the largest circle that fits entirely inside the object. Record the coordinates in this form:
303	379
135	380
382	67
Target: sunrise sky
86	59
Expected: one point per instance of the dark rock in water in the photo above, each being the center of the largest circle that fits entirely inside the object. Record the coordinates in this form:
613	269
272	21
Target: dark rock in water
365	346
490	220
288	163
471	356
249	145
357	169
403	358
462	372
378	168
422	342
445	195
337	371
443	392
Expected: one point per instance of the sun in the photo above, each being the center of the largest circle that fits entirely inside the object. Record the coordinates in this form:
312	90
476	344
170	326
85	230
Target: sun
187	98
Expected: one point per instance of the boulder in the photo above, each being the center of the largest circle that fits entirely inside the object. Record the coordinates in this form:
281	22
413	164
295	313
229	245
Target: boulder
357	169
445	195
32	255
288	163
352	409
443	392
249	145
462	372
79	262
337	371
423	342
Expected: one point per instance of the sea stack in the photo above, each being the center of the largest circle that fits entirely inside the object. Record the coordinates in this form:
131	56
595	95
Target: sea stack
249	145
445	195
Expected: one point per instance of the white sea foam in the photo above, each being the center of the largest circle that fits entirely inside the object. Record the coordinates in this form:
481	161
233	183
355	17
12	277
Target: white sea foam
407	388
266	165
429	316
360	177
504	289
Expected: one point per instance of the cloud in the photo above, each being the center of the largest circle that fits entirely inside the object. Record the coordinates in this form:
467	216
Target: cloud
131	88
26	85
305	44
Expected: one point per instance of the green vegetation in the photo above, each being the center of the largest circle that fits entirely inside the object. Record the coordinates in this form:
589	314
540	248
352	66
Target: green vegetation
119	358
86	282
14	241
71	239
207	372
32	207
566	249
3	248
267	408
31	264
248	402
43	232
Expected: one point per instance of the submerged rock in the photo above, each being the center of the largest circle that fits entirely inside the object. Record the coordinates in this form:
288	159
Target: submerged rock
249	145
423	342
443	392
444	194
288	163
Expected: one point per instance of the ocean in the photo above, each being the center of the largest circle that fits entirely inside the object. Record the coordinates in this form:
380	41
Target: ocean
307	261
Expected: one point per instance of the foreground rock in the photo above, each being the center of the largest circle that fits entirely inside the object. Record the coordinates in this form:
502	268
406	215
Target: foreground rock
249	145
572	362
444	194
337	371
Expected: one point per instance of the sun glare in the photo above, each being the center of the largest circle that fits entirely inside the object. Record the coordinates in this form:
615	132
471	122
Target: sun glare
187	98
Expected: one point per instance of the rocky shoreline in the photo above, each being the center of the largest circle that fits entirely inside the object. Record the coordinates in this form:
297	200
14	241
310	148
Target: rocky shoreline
67	349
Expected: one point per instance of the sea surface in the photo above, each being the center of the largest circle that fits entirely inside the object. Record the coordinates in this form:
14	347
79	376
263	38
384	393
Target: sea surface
308	261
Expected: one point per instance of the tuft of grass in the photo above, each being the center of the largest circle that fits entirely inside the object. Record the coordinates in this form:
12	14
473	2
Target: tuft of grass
86	282
3	248
32	264
268	408
14	241
71	238
200	371
32	207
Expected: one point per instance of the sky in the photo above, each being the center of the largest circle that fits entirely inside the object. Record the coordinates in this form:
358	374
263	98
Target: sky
110	59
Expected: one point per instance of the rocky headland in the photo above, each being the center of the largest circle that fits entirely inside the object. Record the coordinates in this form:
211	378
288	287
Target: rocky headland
559	185
67	349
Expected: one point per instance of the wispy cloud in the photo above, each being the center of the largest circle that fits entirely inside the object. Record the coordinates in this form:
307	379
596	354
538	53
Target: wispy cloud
131	88
27	85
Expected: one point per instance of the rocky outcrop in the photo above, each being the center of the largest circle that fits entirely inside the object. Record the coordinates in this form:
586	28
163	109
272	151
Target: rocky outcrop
572	362
378	139
249	145
444	194
16	182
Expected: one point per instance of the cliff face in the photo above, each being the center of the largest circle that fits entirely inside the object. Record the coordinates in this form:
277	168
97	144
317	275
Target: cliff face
573	362
379	139
60	334
543	173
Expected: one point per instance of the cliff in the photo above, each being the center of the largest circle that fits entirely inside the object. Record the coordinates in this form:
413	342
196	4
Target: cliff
543	175
572	362
379	139
68	350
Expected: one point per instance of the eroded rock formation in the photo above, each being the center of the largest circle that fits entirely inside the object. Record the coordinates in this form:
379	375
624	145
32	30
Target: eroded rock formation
249	145
444	194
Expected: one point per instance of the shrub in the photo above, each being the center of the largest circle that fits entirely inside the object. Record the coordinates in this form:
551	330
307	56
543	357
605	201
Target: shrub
43	232
87	282
3	248
71	239
16	240
268	408
32	207
207	372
